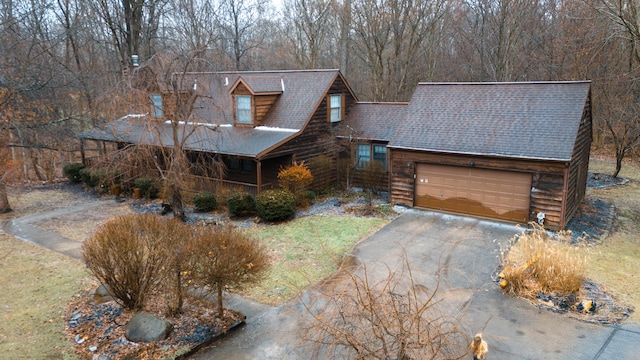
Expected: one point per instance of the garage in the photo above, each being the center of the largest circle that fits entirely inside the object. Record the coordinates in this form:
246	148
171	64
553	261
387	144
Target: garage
489	193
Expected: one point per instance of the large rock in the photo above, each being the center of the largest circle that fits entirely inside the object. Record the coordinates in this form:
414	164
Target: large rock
145	327
102	295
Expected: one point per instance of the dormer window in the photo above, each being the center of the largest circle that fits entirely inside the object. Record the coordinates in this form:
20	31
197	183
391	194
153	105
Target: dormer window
243	109
156	99
336	107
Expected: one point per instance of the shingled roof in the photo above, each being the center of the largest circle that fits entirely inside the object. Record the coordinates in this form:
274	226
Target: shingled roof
375	121
212	120
532	120
225	139
302	92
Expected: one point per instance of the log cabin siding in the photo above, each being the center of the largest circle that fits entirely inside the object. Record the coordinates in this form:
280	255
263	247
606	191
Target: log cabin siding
317	138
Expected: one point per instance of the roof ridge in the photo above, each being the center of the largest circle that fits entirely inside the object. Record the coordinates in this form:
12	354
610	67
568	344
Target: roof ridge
541	82
257	71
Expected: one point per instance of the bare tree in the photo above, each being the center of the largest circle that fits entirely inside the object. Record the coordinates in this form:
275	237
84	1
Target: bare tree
227	258
239	21
389	38
393	317
311	20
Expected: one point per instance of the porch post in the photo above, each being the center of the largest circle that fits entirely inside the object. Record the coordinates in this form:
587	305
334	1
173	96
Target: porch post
259	176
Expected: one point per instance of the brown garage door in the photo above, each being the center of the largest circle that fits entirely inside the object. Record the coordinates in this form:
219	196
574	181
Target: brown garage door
489	193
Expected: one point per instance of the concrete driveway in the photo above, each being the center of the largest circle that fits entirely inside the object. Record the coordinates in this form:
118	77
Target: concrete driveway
465	253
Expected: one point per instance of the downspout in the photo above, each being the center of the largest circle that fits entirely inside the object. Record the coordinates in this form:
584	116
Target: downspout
564	196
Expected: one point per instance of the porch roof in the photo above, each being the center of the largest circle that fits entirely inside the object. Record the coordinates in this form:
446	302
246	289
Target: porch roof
204	137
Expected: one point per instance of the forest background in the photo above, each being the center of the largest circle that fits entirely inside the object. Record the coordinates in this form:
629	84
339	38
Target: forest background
65	64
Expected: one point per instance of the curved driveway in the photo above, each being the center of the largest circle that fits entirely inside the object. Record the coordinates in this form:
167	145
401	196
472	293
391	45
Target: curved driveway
466	252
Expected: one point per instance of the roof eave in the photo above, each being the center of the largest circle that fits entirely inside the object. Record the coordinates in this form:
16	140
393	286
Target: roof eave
479	154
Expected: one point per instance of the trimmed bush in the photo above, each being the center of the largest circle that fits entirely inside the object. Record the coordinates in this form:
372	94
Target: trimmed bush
295	178
205	201
276	205
131	254
241	204
72	171
149	186
90	177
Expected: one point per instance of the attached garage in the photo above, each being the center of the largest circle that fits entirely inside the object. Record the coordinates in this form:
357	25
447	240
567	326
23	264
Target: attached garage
508	151
481	192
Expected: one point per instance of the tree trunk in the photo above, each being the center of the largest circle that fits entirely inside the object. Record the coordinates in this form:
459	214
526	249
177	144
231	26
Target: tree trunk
619	157
220	308
177	204
4	199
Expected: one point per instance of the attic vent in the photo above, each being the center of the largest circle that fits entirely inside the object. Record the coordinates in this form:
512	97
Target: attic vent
226	81
282	83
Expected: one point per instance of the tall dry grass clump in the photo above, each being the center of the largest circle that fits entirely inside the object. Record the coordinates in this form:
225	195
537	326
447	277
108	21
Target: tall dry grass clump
538	262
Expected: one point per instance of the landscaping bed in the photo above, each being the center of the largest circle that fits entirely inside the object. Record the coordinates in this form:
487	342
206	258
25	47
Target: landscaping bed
98	331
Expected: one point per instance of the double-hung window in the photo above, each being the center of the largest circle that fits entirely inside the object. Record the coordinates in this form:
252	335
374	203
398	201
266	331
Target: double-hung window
335	108
156	99
243	109
363	156
380	154
366	153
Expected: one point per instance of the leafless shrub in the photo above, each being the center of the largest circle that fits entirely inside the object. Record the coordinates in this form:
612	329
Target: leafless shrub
391	318
540	263
130	253
227	258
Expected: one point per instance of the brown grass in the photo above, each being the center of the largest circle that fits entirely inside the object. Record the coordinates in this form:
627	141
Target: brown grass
614	264
36	285
539	263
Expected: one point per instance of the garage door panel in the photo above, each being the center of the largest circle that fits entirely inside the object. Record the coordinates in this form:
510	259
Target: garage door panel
491	193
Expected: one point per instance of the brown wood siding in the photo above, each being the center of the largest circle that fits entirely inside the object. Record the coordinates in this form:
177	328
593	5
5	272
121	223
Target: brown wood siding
579	166
262	104
547	178
318	136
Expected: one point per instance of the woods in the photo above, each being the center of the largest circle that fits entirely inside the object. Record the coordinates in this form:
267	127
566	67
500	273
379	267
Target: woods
64	63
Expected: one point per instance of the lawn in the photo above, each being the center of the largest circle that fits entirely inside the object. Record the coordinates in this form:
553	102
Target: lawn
305	251
615	264
36	286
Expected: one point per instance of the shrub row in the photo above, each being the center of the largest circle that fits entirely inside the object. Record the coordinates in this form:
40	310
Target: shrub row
143	256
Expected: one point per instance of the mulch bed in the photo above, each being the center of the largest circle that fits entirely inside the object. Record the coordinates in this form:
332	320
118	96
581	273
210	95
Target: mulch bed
589	226
97	331
605	308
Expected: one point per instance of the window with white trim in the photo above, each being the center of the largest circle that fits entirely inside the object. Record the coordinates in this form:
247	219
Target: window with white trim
156	99
243	109
335	108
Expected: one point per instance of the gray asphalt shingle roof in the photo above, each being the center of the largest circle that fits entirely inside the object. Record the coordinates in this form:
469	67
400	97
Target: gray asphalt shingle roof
303	92
225	139
373	121
534	120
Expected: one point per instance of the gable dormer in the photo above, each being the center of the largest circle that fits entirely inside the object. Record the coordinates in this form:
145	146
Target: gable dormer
253	97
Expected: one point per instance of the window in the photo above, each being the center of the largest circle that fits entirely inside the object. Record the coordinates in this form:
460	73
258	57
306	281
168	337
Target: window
380	154
335	108
363	155
236	164
243	109
157	105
